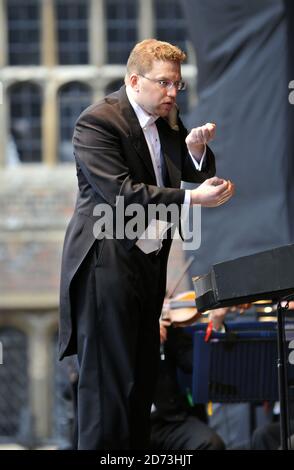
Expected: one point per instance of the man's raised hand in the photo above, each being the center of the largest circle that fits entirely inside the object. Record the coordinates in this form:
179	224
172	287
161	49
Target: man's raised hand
199	136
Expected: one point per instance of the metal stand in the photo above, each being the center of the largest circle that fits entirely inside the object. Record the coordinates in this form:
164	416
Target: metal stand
282	375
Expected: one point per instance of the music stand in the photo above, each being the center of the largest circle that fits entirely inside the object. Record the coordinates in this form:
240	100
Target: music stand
282	376
272	279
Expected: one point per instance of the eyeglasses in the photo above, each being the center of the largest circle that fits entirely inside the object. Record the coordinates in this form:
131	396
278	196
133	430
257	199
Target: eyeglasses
167	84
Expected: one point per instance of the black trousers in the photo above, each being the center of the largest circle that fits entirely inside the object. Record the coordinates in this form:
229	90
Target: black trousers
187	434
117	299
267	437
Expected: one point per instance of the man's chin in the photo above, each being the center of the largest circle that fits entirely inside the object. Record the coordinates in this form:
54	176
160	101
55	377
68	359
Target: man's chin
163	113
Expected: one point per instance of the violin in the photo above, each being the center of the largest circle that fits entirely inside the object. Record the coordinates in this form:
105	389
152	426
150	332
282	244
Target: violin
181	310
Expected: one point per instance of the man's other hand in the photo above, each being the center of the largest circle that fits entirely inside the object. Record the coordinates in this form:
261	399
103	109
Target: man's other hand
213	192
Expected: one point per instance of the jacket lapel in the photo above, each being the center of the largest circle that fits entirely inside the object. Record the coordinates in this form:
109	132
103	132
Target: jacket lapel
136	134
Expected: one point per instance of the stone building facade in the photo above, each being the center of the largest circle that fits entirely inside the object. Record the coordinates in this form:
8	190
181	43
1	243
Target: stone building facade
56	57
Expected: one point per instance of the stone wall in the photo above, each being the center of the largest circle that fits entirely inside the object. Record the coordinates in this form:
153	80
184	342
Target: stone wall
36	204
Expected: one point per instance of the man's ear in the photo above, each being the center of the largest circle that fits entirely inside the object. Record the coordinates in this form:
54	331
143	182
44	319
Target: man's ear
133	81
173	118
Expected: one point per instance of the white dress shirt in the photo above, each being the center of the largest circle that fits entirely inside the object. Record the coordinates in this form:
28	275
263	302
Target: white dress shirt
151	239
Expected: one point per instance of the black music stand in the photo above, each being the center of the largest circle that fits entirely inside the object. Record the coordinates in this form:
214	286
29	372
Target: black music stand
282	376
272	279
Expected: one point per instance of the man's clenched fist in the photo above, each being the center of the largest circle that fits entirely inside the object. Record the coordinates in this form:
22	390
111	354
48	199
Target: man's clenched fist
213	192
198	137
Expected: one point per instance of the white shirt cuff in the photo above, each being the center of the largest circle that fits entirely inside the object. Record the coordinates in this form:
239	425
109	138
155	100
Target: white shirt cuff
185	213
198	164
187	199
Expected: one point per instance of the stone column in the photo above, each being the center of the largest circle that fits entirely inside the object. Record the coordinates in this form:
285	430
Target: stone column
3	35
50	123
97	33
145	20
48	29
40	376
3	100
4	124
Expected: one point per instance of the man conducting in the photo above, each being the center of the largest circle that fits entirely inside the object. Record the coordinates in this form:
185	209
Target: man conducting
130	146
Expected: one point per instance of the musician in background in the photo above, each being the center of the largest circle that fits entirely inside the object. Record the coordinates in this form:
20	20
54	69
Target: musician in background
268	437
177	424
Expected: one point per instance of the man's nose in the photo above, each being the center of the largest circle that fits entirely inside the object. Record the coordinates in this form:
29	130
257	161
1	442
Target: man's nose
173	91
